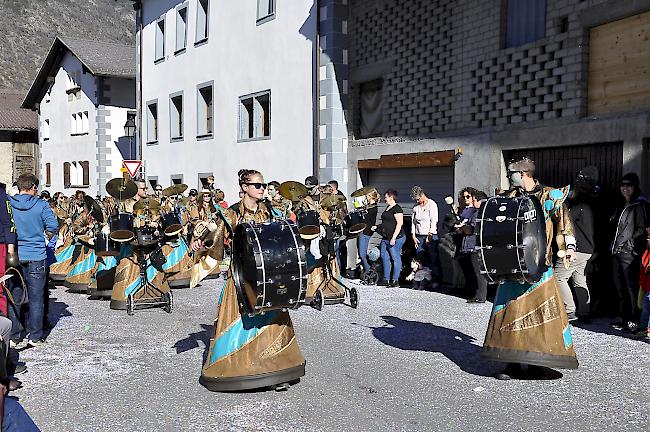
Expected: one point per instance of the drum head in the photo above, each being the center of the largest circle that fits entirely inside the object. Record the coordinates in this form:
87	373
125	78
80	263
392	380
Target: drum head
107	253
309	232
122	236
533	233
357	228
244	265
173	230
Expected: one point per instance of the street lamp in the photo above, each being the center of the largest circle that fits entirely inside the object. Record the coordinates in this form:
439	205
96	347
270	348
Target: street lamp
129	130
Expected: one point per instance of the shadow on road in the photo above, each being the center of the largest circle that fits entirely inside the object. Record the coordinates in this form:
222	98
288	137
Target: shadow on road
56	311
419	336
192	341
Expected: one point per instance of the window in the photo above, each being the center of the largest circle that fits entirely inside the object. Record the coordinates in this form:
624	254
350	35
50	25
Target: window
255	116
48	175
176	179
202	19
79	123
525	21
152	122
203	179
153	181
181	29
204	110
176	116
265	10
160	39
45	133
371	115
77	172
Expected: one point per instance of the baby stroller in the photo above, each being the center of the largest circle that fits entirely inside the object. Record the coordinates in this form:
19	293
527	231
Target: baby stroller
376	266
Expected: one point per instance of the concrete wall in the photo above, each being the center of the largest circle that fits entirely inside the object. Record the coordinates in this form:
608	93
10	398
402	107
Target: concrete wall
240	58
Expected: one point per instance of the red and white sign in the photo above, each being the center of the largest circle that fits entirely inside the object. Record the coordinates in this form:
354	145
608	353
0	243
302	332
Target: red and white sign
132	166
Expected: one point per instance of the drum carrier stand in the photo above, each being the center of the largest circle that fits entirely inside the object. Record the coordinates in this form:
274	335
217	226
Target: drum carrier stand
164	299
319	299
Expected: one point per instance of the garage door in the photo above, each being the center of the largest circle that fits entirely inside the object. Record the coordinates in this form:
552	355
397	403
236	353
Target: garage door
436	182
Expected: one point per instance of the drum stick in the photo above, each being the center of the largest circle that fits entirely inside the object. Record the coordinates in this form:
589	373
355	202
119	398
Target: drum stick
561	253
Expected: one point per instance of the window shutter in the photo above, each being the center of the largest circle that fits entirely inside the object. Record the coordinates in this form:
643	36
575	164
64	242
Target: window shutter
66	174
86	172
48	175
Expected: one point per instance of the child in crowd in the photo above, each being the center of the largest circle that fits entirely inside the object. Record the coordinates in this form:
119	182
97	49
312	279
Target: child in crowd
420	276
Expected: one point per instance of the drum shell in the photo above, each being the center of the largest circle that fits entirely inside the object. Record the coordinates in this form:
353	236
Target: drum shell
511	241
105	246
354	223
269	266
308	222
170	223
121	226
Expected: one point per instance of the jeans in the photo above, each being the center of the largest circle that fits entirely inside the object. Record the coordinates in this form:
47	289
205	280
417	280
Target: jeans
626	279
576	271
427	254
393	253
362	244
16	418
645	312
35	274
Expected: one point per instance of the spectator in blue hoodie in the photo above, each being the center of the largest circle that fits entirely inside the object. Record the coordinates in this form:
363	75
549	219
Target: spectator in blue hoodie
34	221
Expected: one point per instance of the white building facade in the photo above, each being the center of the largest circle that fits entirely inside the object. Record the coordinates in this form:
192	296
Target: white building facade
84	94
226	86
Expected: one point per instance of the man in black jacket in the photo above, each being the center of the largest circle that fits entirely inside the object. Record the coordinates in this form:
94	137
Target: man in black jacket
627	247
581	212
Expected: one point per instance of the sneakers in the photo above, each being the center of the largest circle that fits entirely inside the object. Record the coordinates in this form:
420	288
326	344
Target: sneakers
618	325
20	368
35	343
476	300
642	334
632	327
393	284
383	283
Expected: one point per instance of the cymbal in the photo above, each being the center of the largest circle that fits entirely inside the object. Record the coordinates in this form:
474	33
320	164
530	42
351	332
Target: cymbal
147	204
94	208
331	201
176	189
362	192
293	191
121	188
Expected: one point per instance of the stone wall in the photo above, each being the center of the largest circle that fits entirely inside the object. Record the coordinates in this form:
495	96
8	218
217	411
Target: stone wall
445	68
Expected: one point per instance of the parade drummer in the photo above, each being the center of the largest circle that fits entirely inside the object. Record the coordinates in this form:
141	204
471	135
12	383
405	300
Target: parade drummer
529	327
248	352
127	204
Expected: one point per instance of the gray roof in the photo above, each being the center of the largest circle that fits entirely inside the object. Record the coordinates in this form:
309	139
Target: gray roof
12	116
103	59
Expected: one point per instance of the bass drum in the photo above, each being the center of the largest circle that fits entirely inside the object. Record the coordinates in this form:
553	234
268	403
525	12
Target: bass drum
269	266
511	239
309	224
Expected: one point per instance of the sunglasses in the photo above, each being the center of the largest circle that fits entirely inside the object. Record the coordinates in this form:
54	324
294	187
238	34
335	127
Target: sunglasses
257	185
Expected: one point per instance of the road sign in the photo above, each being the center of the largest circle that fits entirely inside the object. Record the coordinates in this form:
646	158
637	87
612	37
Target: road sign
132	166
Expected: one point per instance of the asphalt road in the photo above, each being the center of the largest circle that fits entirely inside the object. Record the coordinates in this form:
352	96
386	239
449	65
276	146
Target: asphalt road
405	360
